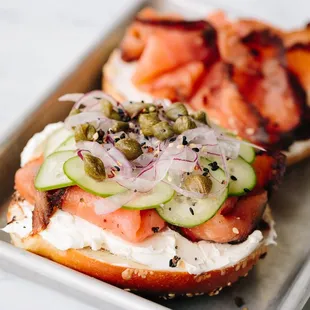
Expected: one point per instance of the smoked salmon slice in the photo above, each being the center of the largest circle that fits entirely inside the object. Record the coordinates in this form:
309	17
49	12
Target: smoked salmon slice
233	225
131	225
219	97
269	170
186	61
298	59
137	34
176	84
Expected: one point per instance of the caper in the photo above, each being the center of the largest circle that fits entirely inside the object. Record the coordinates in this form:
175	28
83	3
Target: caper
176	110
119	126
94	167
107	109
84	132
136	107
129	147
74	112
183	123
147	121
198	183
162	131
200	116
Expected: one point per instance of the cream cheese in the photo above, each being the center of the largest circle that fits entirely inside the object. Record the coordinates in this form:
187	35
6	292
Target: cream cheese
66	231
35	146
120	77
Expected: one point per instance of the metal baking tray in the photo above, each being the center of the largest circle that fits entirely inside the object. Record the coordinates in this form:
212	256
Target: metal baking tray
280	281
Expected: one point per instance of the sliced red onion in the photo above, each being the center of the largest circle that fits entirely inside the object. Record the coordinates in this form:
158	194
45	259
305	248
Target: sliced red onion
92	98
184	192
119	159
201	135
86	117
165	103
144	160
227	138
71	97
186	161
113	203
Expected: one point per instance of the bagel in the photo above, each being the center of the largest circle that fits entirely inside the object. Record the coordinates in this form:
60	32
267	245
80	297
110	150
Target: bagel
133	276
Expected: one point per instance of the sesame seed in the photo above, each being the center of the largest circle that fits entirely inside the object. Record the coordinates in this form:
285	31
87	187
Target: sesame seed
246	190
214	166
250	131
191	210
184	142
235	230
123	136
233	178
172	139
155	229
239	301
96	136
195	149
231	121
174	261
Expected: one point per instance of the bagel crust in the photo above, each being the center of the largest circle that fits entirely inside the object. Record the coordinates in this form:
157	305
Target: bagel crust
297	152
163	283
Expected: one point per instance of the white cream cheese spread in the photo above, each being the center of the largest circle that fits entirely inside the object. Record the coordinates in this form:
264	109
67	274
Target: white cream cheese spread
120	78
66	231
35	145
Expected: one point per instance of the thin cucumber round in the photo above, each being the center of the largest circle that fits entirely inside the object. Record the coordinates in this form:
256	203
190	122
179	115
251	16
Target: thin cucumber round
51	174
160	194
186	212
55	140
247	153
74	170
68	145
242	177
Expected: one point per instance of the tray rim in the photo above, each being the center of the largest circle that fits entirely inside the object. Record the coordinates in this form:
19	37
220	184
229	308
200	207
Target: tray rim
294	298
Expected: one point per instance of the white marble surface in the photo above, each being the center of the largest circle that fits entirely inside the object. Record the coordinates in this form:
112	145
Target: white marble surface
42	39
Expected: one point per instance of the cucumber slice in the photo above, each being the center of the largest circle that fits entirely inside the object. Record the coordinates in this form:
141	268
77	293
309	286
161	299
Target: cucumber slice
186	212
160	194
55	140
217	176
67	145
243	177
51	174
247	152
74	170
